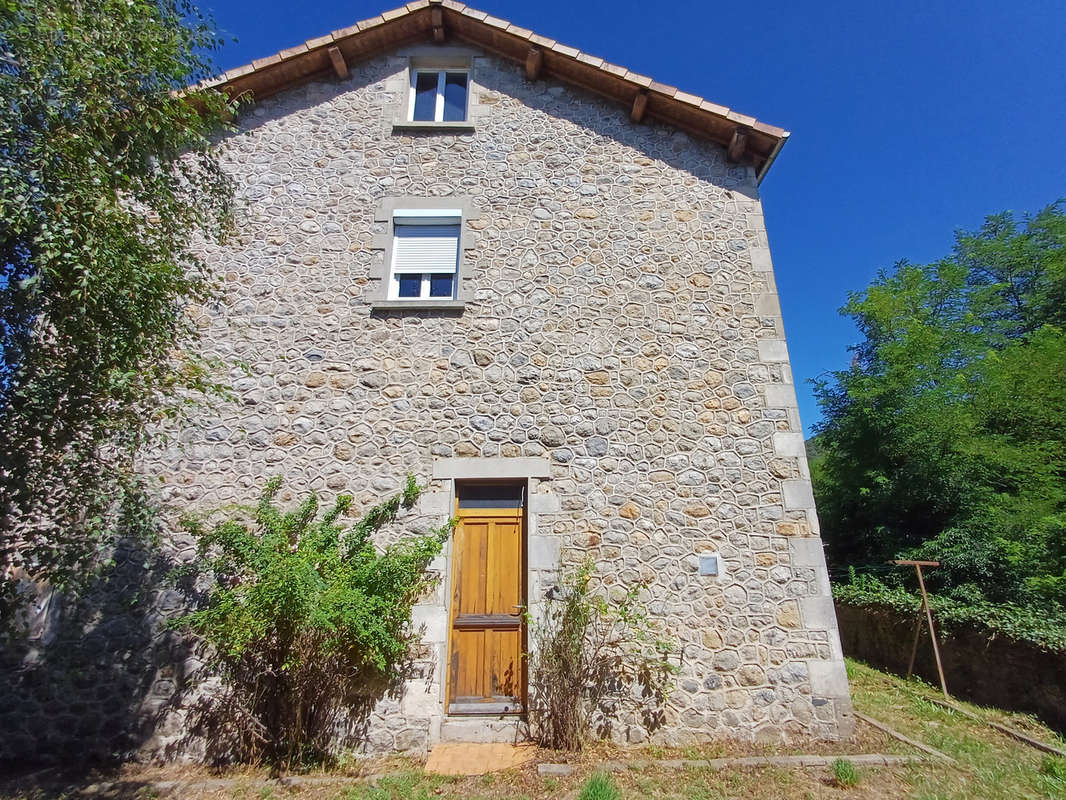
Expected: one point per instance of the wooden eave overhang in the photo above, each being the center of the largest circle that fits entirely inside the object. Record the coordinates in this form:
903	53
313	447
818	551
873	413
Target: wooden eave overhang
746	139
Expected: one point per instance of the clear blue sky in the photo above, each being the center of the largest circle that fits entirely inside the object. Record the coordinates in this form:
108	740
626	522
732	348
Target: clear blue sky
909	119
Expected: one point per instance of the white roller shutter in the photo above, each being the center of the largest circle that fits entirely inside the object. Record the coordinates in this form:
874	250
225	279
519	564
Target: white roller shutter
423	244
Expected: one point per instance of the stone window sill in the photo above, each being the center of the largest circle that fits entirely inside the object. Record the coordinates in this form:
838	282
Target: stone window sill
417	305
429	126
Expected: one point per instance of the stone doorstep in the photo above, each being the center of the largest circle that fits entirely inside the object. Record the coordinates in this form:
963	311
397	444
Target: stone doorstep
482	729
477	758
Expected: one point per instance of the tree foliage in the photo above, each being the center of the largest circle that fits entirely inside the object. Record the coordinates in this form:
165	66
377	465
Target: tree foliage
1023	623
309	623
106	180
946	439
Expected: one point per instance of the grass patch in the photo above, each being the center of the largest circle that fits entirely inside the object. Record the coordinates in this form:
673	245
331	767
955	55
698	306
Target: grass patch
404	786
599	787
992	766
845	774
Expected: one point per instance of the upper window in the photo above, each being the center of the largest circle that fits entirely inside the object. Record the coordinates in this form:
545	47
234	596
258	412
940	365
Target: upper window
438	95
425	254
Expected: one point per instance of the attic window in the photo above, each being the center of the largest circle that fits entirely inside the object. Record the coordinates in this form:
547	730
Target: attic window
438	95
425	265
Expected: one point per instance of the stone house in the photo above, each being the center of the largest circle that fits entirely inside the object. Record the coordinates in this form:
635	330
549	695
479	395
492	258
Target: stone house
543	284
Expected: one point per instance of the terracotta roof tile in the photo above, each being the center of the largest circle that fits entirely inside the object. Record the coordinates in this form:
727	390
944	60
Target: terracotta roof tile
259	63
771	130
714	108
237	72
662	88
742	119
690	99
641	80
523	33
373	22
293	51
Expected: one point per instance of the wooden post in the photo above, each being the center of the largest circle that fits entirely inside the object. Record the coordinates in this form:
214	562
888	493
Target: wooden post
914	646
436	17
640	105
336	58
534	62
929	620
738	144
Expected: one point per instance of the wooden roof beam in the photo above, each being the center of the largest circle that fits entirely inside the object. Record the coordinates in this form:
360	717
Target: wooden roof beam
640	105
436	21
534	63
336	58
738	144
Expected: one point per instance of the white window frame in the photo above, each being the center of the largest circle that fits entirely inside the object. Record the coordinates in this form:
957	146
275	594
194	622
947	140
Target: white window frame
428	216
438	108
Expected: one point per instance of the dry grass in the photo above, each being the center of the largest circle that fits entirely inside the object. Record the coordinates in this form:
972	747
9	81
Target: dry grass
991	766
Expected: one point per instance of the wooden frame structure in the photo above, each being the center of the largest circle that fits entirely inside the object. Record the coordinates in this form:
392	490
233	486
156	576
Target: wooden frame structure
929	620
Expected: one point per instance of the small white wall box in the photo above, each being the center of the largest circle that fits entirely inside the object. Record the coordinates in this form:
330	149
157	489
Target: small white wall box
709	564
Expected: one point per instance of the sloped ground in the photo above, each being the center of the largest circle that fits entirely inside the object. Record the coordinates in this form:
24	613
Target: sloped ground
990	766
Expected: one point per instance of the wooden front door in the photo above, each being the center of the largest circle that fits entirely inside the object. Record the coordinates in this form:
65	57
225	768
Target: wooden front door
486	668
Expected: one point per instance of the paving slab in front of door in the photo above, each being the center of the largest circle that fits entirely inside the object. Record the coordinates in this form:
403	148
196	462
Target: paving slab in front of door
477	758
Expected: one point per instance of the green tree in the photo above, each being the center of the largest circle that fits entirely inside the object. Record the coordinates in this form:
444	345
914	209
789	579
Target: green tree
309	623
107	178
945	438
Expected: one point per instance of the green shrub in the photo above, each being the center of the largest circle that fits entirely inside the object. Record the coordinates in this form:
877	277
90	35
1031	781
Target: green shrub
1025	624
845	775
593	658
310	623
599	787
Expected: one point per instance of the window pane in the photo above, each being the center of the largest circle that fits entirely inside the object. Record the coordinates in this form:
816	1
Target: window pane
440	285
425	95
455	97
491	495
410	285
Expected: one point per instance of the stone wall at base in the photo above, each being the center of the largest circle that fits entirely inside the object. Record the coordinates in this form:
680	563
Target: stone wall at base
92	681
991	671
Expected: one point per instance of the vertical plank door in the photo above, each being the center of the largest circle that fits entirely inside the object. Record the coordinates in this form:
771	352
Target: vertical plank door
485	651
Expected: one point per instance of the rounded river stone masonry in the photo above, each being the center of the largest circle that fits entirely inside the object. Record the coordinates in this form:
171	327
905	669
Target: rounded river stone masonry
622	328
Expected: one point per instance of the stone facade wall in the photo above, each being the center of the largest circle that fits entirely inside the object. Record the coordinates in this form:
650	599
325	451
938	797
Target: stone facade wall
623	336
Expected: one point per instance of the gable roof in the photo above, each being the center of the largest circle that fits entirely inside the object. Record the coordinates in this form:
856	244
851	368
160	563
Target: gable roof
745	138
